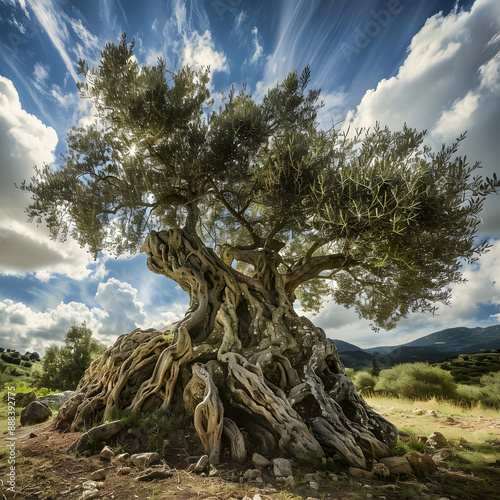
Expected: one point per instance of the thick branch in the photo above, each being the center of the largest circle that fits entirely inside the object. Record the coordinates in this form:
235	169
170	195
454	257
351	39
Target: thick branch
311	268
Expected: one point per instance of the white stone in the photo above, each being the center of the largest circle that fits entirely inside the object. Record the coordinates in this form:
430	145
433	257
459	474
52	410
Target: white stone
143	460
282	467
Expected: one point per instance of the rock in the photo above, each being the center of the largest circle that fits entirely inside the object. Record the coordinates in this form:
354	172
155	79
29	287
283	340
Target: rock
422	464
35	413
106	454
98	475
397	465
150	475
314	485
282	467
437	440
312	477
98	434
260	462
58	398
381	470
67	412
123	471
143	460
251	474
361	473
24	398
289	482
91	490
432	413
442	455
201	465
123	457
257	497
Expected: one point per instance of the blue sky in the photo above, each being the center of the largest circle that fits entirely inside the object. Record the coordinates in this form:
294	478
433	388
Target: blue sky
432	64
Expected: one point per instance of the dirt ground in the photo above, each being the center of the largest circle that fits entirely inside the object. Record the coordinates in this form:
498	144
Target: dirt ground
44	471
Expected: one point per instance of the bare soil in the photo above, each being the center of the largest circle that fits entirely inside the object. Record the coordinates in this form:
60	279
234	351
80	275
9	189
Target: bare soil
44	471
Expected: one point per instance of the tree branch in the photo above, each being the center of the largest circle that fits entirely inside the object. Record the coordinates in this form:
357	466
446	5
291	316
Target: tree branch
310	268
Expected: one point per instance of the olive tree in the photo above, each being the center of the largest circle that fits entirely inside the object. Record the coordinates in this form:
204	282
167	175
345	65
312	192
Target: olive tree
249	208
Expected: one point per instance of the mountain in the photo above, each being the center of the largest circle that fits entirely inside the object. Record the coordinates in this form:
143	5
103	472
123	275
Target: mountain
433	347
343	346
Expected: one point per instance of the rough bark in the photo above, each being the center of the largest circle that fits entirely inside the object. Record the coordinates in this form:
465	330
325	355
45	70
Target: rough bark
241	358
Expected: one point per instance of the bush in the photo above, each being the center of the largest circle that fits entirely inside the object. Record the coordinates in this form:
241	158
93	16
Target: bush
365	383
417	381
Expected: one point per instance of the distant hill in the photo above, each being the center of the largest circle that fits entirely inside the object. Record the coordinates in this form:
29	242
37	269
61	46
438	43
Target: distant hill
430	348
343	346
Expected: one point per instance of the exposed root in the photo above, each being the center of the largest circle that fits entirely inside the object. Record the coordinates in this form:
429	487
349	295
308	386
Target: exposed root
241	358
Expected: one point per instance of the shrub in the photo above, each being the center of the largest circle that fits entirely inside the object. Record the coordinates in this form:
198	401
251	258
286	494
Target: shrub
416	381
364	382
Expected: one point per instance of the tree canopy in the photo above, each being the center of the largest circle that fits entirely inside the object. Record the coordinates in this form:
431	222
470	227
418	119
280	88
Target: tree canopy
372	218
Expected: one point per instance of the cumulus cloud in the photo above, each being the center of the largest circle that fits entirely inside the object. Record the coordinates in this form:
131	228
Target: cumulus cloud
119	311
469	302
200	50
24	142
449	83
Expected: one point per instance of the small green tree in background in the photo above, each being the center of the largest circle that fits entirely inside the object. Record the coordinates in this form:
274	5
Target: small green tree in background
63	367
374	369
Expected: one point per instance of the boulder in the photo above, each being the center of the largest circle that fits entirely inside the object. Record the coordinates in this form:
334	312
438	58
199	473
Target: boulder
260	462
397	465
361	473
143	460
58	398
67	412
252	474
381	470
35	413
282	467
442	455
437	440
98	434
422	464
23	399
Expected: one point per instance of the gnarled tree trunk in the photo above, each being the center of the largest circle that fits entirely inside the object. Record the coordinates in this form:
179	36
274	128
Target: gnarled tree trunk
241	358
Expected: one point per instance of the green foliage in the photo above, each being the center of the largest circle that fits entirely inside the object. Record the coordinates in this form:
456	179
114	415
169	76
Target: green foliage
155	431
374	369
365	382
416	381
374	218
63	367
468	369
400	448
487	394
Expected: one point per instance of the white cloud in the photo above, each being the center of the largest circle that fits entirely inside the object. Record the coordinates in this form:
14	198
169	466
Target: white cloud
449	83
54	24
258	50
25	329
199	50
24	142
